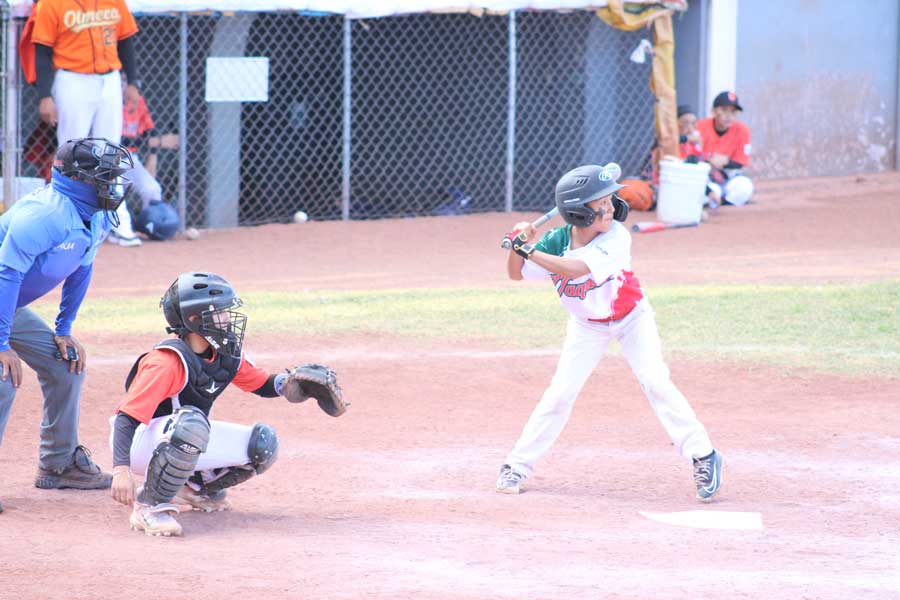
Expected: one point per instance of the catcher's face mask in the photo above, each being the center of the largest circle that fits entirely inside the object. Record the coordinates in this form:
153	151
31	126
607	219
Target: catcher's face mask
205	304
223	327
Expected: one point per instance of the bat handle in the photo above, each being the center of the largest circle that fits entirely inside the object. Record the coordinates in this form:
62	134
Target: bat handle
506	244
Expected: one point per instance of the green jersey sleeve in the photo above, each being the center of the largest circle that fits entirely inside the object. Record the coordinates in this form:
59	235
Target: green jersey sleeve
555	241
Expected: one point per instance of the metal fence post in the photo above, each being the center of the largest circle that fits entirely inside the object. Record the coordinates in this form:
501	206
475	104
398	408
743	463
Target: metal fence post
10	118
182	123
511	115
348	115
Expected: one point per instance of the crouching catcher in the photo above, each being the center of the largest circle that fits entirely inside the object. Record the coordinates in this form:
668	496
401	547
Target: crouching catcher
162	429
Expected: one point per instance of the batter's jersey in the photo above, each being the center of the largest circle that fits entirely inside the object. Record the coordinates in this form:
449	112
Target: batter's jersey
161	375
84	35
610	291
734	143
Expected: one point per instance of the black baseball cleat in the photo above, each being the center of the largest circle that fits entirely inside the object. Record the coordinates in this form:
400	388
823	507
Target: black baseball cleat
708	475
82	474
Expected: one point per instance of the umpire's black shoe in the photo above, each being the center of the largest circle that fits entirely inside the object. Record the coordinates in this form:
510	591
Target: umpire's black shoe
708	475
82	474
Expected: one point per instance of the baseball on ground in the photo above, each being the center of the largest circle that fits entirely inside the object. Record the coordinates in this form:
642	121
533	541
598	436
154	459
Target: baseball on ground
300	217
191	233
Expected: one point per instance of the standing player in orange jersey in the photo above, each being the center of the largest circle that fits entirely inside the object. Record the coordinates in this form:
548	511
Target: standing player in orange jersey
80	50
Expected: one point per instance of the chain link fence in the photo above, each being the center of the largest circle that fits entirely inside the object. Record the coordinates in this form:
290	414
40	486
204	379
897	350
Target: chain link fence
431	114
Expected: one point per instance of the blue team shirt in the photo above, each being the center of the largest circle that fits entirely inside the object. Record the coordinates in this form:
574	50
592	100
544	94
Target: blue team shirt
43	238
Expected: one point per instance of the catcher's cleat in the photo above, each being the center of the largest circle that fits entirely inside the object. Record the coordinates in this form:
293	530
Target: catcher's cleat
509	481
708	475
155	520
210	502
82	474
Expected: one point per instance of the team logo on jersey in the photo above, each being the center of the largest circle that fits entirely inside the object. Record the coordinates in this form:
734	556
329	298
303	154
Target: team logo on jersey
565	287
79	20
66	246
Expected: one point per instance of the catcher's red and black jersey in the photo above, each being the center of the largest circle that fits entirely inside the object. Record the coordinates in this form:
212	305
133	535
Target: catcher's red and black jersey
173	370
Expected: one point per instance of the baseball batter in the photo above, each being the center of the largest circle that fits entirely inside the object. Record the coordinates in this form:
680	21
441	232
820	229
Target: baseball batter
589	262
162	430
80	49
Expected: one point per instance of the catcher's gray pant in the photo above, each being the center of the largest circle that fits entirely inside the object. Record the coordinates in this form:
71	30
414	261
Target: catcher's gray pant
585	345
32	339
146	186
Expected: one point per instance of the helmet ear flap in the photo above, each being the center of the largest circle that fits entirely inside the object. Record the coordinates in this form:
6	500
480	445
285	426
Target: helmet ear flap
620	209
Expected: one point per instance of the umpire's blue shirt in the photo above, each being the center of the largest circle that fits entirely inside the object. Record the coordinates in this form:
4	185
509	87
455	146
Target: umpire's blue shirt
44	240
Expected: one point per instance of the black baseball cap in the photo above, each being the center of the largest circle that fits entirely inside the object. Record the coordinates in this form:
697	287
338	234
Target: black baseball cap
727	99
684	109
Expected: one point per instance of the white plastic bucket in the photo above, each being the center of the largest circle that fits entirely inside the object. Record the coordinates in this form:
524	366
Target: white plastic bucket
681	191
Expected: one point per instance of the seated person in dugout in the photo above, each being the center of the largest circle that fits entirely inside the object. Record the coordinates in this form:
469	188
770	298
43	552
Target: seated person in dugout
726	147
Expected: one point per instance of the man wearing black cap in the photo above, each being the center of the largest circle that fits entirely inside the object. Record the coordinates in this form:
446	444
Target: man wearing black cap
726	147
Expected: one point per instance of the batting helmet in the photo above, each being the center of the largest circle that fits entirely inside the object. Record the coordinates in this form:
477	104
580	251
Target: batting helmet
204	303
159	221
99	162
586	184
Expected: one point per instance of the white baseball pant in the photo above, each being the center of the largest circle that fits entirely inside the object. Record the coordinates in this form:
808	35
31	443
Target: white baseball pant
585	345
227	444
90	105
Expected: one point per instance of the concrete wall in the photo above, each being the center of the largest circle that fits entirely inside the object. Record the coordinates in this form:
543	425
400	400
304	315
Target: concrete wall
818	81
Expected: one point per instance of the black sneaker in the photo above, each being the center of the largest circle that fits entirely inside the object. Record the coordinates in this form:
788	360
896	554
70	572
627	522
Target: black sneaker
82	474
708	475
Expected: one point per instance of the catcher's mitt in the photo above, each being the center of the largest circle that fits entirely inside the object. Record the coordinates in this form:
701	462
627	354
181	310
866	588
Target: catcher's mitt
315	381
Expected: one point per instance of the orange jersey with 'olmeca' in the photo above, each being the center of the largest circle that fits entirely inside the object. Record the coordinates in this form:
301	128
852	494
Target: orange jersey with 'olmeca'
83	35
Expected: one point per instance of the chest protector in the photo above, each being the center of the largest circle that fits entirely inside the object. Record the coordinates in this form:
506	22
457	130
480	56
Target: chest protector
206	379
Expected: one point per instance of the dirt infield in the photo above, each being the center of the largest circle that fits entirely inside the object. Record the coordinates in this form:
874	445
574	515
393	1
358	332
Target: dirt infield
395	499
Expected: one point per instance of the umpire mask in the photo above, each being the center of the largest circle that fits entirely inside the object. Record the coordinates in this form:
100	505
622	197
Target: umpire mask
101	163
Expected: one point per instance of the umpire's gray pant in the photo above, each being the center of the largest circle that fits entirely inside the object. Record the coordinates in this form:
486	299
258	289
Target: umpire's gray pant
32	340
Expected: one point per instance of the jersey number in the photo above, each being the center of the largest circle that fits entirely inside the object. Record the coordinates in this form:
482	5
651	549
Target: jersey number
109	36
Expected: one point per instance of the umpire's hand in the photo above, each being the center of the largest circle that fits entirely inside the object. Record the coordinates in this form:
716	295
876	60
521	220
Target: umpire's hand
11	365
63	343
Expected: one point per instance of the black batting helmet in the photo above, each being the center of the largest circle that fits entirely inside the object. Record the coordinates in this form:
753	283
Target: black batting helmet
99	162
204	303
586	184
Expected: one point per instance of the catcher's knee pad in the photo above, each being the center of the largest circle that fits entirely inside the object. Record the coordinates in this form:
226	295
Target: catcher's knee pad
262	449
174	460
738	190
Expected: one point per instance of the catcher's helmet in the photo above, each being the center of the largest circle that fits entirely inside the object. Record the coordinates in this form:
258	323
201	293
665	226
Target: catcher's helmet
586	184
204	303
99	162
159	221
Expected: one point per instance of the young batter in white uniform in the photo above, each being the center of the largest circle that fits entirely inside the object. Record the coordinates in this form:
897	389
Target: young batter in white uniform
589	262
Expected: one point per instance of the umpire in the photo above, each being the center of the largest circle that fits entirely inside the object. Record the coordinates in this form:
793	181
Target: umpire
50	237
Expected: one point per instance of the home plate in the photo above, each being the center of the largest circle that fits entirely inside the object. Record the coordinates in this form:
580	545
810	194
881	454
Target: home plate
709	519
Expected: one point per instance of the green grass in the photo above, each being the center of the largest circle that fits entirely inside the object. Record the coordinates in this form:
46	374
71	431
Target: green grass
848	329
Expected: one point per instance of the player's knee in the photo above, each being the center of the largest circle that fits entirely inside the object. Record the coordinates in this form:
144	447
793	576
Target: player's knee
190	430
738	190
654	382
262	448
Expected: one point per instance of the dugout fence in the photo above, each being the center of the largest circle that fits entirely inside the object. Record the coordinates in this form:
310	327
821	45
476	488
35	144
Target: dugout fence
425	114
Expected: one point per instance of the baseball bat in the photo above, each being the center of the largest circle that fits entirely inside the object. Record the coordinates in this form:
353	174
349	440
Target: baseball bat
506	244
651	226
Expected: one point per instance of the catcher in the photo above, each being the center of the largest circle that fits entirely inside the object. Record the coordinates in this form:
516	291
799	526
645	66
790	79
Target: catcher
162	430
